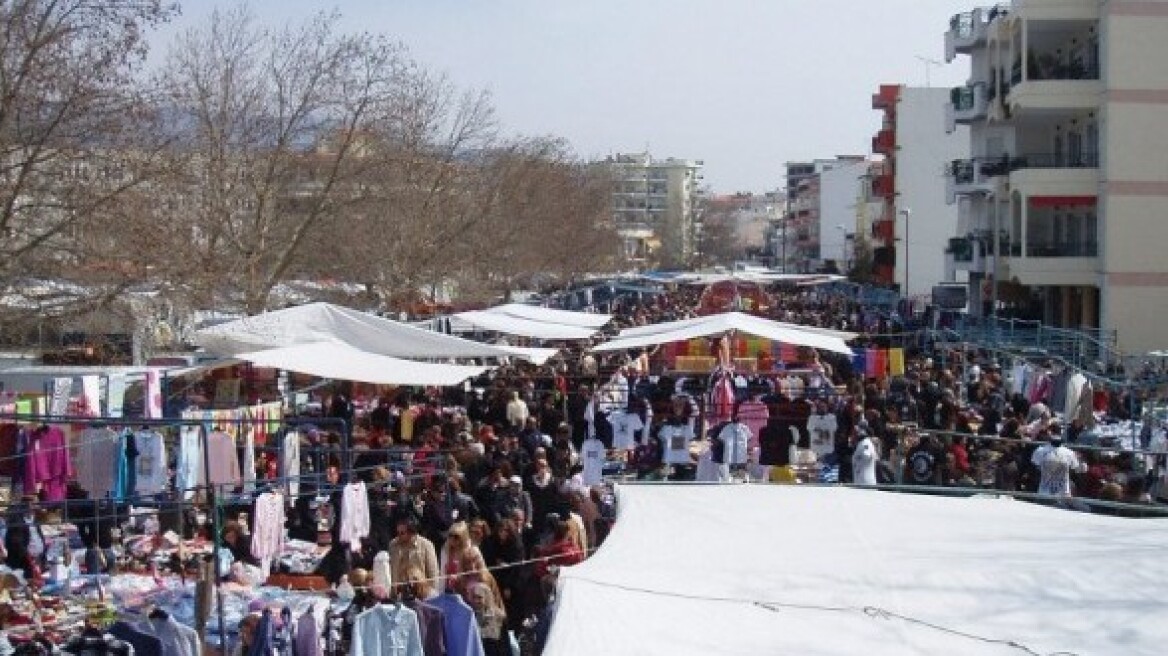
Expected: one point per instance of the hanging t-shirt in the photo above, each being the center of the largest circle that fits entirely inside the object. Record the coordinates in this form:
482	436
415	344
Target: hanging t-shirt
354	515
736	438
290	462
126	485
97	452
1055	463
921	467
675	443
755	415
864	462
711	466
592	460
223	460
189	474
822	430
153	473
624	429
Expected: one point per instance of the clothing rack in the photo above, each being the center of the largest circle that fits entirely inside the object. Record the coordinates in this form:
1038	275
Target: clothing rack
214	497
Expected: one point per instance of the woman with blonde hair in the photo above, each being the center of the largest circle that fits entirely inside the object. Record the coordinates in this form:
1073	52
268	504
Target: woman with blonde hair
459	557
422	588
483	597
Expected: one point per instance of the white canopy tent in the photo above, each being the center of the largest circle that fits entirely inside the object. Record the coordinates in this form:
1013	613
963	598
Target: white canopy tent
655	328
341	362
720	324
324	322
552	315
759	569
524	321
512	325
760	277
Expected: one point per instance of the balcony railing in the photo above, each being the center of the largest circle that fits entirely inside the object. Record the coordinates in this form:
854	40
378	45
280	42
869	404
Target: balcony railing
1047	66
1062	249
961	248
1055	161
970	171
966	103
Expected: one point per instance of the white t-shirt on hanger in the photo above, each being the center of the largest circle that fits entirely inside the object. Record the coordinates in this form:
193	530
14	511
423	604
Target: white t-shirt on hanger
624	427
592	460
675	444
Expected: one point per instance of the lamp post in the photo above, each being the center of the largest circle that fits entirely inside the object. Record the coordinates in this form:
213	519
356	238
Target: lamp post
907	213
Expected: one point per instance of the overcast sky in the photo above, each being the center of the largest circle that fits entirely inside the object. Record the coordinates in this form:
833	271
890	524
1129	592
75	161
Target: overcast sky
744	85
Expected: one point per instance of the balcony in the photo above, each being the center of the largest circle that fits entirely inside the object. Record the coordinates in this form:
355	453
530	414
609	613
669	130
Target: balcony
1060	174
887	97
974	176
884	142
1055	270
884	231
968	30
1062	249
1078	160
883	186
966	104
1054	84
968	253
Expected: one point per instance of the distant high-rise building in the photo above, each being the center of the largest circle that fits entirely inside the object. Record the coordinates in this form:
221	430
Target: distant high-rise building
1062	201
655	207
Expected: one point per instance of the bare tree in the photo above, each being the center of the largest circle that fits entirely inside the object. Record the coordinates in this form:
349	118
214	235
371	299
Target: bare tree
545	217
284	136
718	243
422	216
72	152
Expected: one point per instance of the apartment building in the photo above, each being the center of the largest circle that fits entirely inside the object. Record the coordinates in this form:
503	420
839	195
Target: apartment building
1063	197
655	207
821	196
914	222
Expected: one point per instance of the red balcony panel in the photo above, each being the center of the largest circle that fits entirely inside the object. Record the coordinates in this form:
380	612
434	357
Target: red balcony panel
884	231
884	186
887	96
884	142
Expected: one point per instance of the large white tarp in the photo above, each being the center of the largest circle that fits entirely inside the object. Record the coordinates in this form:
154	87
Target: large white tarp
721	324
514	325
324	322
551	315
340	362
655	328
760	569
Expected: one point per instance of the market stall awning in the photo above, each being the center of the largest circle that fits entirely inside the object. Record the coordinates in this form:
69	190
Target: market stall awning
655	328
324	322
762	569
513	325
551	315
340	362
721	324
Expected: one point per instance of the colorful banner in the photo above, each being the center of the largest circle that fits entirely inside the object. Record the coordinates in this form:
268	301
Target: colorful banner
896	362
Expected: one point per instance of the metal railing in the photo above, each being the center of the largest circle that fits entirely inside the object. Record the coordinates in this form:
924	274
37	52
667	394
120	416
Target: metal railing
1082	348
964	98
1062	249
970	171
1073	160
